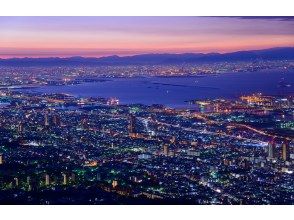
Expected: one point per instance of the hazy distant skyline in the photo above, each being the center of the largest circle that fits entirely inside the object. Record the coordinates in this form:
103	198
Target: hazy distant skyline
103	36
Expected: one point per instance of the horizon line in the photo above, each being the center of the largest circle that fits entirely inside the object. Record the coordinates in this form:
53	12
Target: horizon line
138	54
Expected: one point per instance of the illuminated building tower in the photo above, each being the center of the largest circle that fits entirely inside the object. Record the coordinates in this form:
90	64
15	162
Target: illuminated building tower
217	108
114	183
28	180
1	159
166	150
194	145
47	180
285	151
20	128
173	139
131	126
84	123
271	149
73	177
64	179
56	120
16	181
46	120
29	183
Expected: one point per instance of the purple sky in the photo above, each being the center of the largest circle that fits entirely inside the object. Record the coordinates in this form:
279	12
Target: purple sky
102	36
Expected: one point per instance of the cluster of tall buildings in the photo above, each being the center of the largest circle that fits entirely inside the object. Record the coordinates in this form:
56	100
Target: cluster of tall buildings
283	152
132	126
55	120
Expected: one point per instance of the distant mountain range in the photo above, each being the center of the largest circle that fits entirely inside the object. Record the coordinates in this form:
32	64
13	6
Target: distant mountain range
281	53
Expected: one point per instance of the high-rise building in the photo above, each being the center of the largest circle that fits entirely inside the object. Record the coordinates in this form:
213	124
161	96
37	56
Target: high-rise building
194	145
16	181
29	183
73	177
64	179
173	139
166	149
84	123
285	151
132	125
20	128
47	180
46	120
1	159
56	120
271	149
114	183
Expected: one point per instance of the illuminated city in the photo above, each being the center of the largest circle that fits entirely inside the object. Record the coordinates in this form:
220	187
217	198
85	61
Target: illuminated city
175	128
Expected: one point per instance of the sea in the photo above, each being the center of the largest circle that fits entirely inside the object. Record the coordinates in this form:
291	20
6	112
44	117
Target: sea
176	92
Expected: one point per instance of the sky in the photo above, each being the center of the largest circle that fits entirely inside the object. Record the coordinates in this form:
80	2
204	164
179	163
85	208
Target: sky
123	36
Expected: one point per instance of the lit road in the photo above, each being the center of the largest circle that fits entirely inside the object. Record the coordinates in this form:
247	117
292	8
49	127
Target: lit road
200	131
